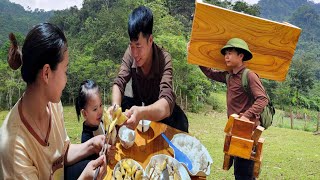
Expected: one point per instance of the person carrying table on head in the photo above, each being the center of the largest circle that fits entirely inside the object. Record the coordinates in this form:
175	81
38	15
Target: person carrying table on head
235	52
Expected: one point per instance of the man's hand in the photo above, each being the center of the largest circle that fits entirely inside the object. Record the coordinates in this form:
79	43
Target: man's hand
135	114
112	109
244	118
257	122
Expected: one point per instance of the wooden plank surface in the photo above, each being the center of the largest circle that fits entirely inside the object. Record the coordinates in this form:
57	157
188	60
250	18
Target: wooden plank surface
259	146
227	141
229	124
257	168
271	43
256	134
242	128
227	162
146	145
240	147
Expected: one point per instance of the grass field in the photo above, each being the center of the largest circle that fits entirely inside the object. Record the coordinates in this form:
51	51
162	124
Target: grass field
288	154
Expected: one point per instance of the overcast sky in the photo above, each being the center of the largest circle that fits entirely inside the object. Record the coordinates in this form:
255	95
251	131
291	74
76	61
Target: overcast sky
63	4
48	5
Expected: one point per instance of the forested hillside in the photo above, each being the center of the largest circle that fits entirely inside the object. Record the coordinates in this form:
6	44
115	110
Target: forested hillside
282	10
97	38
302	13
13	18
302	84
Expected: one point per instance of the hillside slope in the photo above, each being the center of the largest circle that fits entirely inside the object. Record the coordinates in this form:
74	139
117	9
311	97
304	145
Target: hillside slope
13	18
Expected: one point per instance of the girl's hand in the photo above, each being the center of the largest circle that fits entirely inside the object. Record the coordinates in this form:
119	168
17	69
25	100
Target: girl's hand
90	169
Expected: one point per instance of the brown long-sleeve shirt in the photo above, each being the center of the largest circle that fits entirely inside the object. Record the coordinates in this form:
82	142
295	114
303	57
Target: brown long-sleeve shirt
156	85
238	100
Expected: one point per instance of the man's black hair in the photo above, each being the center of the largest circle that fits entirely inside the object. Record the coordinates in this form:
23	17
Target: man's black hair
140	20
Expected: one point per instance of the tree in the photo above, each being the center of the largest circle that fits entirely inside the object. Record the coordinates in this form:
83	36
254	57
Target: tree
308	19
244	7
302	78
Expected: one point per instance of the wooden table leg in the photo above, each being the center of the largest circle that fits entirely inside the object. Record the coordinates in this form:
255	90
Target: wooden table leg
228	161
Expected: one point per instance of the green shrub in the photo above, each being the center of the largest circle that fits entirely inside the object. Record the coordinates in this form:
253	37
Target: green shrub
217	101
196	107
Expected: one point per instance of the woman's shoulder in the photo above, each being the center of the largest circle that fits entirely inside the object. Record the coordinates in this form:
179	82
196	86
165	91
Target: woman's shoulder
11	132
56	107
12	122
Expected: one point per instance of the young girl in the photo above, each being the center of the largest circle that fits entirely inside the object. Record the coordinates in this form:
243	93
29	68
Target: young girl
33	142
88	104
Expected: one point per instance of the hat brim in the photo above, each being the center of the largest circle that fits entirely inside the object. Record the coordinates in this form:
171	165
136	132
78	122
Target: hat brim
247	54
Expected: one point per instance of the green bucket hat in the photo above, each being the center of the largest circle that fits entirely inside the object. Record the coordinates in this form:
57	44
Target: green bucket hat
238	43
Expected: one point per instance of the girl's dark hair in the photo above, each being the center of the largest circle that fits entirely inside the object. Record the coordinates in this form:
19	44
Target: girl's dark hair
140	20
44	44
87	88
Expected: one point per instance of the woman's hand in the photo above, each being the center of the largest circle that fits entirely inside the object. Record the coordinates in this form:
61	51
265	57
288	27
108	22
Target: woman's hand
92	166
97	142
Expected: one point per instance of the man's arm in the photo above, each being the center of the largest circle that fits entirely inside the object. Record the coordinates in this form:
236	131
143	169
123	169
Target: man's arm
116	95
154	112
259	95
214	74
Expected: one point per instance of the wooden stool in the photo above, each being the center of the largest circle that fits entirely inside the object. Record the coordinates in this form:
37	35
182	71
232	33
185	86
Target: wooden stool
242	140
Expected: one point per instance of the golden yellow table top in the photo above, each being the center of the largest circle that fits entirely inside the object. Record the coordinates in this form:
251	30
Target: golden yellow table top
146	145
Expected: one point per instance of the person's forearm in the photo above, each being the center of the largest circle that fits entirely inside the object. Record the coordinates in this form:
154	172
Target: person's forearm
157	111
116	95
216	75
76	152
257	107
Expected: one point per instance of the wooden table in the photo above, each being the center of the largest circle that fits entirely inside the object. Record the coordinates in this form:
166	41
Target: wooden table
146	145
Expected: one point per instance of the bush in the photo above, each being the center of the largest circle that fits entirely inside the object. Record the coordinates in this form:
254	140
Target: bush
217	101
196	107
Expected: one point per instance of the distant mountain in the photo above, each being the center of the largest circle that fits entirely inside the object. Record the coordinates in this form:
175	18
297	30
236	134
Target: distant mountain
13	18
302	13
282	10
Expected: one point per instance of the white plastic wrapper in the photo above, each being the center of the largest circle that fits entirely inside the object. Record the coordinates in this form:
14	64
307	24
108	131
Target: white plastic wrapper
154	168
196	152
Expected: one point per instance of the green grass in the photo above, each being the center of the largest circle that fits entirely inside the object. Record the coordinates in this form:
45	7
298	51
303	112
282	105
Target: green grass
288	154
280	120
